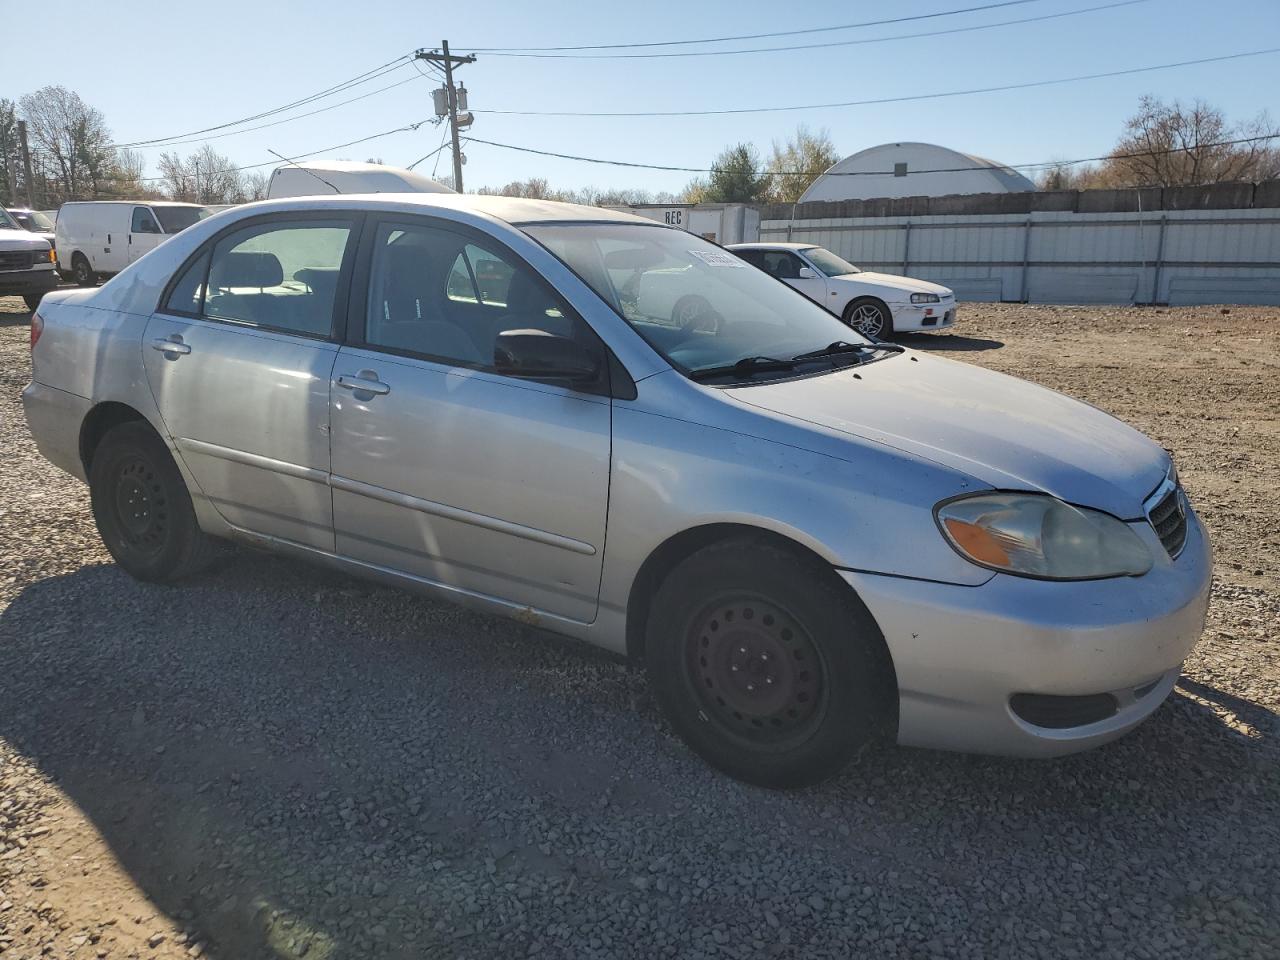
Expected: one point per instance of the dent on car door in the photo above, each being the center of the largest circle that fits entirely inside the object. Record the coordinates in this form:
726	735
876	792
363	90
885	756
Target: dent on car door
444	468
239	360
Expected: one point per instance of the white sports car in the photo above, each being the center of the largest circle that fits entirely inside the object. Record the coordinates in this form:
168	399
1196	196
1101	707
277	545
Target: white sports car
875	304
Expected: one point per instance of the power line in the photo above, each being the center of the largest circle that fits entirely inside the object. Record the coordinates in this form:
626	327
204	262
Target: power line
433	153
388	67
300	116
818	46
882	173
510	51
312	153
882	100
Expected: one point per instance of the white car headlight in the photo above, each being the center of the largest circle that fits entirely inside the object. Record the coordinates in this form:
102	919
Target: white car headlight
1035	535
925	298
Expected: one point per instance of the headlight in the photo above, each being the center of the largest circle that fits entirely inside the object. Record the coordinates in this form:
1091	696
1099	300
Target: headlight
1034	535
925	298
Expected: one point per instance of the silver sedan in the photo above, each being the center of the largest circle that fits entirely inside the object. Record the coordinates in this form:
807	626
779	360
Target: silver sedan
810	538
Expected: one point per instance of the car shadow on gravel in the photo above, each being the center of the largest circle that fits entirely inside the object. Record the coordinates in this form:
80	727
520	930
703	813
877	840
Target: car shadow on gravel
303	764
14	317
944	342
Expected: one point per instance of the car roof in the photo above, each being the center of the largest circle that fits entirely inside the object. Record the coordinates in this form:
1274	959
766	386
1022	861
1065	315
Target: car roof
133	203
512	210
770	246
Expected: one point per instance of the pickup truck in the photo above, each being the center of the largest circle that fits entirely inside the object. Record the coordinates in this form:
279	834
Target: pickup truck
26	263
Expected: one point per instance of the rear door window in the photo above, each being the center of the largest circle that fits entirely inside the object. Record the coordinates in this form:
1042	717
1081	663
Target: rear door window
278	275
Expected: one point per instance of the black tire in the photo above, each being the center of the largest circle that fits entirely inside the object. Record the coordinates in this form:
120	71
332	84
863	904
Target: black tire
767	668
143	509
870	317
82	272
32	300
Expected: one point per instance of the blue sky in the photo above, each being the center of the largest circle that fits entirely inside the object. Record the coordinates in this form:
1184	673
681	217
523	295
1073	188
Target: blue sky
160	67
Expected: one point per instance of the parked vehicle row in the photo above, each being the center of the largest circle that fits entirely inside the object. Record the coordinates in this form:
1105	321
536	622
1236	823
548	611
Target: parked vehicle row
99	238
26	262
810	538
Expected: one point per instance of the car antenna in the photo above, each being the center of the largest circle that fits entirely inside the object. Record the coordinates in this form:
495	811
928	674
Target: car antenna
304	170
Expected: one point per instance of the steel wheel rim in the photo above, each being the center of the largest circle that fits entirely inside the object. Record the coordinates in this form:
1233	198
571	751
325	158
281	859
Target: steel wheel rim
756	672
82	272
867	319
140	506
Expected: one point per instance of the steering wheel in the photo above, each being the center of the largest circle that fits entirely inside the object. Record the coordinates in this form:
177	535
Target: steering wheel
694	314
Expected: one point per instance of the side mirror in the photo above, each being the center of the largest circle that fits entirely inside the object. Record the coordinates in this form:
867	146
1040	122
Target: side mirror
807	274
538	355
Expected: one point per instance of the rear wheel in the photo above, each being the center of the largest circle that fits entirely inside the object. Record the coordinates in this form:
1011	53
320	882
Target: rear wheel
871	318
32	300
142	507
82	271
767	669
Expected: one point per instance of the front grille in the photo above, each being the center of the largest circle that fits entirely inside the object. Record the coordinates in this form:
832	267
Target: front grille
1169	518
17	259
1061	713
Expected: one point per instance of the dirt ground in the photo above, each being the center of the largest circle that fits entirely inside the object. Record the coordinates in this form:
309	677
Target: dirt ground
275	762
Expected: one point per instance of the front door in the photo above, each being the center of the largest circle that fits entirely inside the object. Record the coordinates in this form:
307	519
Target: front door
786	266
239	361
444	468
144	233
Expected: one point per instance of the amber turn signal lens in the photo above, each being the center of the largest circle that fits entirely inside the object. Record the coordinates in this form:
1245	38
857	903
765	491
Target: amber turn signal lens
977	542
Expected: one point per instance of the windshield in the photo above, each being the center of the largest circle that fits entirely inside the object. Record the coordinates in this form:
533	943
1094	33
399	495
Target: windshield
7	222
33	220
696	304
174	219
828	262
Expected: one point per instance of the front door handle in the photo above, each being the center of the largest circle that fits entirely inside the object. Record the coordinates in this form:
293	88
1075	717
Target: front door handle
167	346
366	381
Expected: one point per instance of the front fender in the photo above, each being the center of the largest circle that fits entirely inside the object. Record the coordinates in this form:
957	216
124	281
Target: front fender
870	508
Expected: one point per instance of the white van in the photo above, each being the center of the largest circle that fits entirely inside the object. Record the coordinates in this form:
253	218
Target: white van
98	238
325	177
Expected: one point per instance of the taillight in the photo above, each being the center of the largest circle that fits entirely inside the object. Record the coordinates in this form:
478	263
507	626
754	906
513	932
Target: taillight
37	328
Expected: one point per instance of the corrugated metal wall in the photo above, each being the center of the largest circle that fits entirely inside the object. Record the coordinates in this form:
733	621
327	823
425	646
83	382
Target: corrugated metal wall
1161	256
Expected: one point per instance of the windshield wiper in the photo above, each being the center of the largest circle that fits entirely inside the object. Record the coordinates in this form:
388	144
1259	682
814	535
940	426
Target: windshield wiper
844	346
744	366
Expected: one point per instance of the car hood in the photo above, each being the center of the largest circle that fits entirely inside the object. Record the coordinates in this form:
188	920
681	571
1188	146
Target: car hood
1002	431
19	240
892	282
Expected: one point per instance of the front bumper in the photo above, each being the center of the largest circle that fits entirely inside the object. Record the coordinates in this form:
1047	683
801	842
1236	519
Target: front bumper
20	282
908	317
961	653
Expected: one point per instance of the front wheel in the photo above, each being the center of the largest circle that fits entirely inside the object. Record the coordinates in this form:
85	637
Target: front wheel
32	300
765	667
142	506
871	318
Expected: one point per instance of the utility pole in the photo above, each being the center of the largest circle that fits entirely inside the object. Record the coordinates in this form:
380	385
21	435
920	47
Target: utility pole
448	60
26	162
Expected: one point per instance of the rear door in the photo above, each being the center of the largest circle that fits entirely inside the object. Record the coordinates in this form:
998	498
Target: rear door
444	468
144	232
239	360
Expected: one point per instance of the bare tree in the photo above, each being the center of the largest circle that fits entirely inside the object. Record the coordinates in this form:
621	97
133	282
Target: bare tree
10	162
206	176
795	164
255	186
74	137
1171	145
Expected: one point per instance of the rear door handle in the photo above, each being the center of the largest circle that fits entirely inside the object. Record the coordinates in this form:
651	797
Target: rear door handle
175	347
366	381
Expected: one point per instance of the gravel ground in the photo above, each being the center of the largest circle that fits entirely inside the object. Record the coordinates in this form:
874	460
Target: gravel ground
275	762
